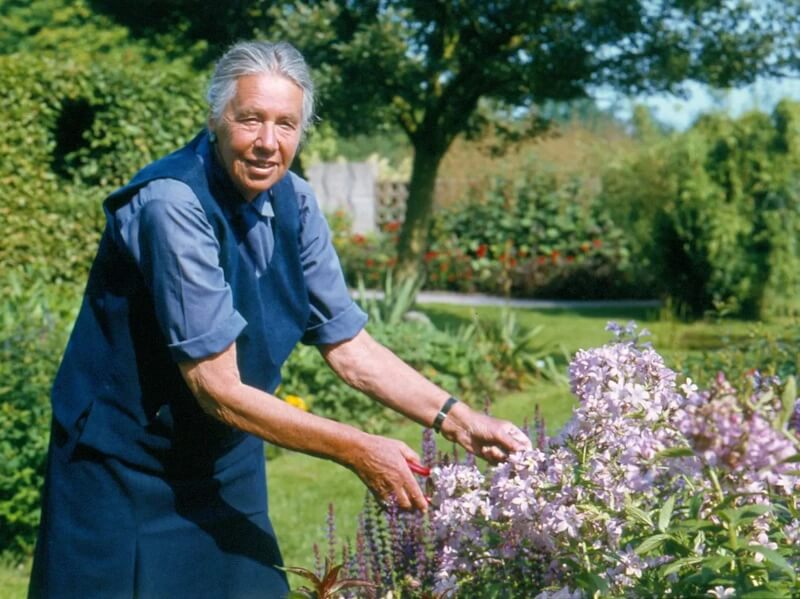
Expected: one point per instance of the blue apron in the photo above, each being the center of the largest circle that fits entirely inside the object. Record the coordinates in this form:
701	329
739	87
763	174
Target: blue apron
145	494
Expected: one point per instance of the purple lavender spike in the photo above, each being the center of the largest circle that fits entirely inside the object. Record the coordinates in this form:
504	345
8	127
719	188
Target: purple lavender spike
428	447
361	552
317	561
470	459
331	535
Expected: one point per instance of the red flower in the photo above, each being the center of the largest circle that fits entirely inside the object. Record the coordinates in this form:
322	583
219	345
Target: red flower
358	239
481	251
554	255
370	262
540	260
430	256
597	242
392	226
570	259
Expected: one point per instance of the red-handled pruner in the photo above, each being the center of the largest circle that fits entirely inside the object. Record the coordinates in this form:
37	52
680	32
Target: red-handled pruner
418	468
422	471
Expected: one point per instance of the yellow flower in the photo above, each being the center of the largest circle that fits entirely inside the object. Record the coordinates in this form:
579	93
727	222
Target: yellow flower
297	402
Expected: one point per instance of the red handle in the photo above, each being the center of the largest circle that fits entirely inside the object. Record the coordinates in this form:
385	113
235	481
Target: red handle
418	468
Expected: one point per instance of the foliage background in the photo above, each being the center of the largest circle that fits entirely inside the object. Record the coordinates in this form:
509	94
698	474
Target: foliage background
707	219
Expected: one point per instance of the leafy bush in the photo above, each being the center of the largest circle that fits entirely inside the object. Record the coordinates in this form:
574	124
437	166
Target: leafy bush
33	328
80	115
531	237
715	213
75	128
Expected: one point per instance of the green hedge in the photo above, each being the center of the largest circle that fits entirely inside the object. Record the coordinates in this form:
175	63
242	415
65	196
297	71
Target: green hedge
714	213
74	128
34	324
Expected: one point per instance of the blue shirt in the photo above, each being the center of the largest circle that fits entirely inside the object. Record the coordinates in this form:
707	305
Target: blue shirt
168	235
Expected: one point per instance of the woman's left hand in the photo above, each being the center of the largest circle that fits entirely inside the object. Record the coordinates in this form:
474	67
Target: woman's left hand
487	437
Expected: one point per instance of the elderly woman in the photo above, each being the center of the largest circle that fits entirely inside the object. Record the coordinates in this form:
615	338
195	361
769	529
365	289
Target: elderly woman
214	263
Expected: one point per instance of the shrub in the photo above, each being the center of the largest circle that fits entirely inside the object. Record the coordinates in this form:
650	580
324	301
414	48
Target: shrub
531	236
75	128
78	120
714	213
34	325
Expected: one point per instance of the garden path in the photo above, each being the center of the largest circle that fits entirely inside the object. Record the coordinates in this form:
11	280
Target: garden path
480	299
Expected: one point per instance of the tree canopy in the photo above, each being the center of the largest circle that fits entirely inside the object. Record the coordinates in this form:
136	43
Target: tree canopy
432	66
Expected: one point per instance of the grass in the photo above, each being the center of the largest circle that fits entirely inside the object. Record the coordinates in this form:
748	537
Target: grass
301	488
14	581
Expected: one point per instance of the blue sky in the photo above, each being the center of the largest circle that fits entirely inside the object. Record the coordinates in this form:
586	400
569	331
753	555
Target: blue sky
680	113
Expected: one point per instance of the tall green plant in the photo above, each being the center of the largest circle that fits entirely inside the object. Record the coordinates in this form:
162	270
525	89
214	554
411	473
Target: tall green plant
715	213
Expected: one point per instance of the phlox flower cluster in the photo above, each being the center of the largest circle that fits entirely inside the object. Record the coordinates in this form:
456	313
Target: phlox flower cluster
635	440
569	516
740	440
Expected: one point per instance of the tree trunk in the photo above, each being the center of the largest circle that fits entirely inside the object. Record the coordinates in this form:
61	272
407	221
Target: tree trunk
413	241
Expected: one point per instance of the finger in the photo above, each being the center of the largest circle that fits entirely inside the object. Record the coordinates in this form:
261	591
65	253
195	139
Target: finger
412	493
409	454
417	498
518	439
493	454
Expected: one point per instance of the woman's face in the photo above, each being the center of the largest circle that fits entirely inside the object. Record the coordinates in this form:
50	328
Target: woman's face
259	131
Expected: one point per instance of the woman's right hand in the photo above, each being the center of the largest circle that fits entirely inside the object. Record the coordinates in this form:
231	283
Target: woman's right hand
383	466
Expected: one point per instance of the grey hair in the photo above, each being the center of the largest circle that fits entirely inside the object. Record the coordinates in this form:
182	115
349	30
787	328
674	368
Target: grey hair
255	58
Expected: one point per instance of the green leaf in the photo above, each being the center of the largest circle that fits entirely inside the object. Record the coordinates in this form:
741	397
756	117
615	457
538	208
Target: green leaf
593	583
675	452
737	516
762	594
639	515
776	559
652	542
788	399
678	564
665	514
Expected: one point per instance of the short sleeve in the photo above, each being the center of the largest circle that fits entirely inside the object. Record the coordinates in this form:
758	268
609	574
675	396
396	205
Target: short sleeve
334	315
168	235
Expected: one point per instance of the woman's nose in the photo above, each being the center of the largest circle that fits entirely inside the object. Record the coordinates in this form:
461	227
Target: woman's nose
266	137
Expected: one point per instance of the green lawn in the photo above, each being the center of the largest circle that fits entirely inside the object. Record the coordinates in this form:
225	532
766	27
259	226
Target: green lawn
301	487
